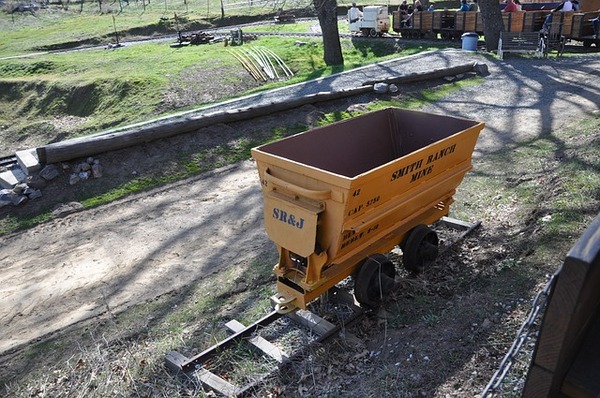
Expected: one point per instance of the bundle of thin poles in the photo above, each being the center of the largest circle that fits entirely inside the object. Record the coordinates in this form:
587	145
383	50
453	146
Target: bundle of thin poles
262	63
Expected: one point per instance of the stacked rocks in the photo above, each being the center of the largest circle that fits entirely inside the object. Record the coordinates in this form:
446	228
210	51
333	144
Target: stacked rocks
91	168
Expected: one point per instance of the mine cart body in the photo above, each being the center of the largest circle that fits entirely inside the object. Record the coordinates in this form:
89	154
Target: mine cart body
336	194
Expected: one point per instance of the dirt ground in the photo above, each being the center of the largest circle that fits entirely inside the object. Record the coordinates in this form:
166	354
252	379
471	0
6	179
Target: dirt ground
81	265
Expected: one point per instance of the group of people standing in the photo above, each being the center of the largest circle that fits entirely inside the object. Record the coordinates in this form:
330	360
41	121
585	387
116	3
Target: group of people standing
466	6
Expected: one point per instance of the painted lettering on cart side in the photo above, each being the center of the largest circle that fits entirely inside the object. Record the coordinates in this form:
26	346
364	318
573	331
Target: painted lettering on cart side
422	167
368	203
288	218
440	154
351	236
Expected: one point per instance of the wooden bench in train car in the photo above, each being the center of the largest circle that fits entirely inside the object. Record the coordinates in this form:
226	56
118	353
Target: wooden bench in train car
566	359
533	21
466	21
519	42
583	30
513	21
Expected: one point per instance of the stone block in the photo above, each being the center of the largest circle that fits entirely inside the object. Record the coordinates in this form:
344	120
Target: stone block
28	160
10	178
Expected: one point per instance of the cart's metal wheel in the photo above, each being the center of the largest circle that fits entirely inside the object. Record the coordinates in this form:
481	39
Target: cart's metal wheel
373	33
420	248
375	280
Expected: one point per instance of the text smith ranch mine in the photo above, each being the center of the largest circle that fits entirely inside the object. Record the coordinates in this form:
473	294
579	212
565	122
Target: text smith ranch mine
419	164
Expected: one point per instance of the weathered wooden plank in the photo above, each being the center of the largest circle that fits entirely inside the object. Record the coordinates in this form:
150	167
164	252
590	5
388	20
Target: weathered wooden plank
559	315
216	383
262	344
583	377
314	322
455	223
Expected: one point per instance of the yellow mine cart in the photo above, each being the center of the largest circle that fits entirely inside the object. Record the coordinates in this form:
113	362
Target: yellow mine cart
337	197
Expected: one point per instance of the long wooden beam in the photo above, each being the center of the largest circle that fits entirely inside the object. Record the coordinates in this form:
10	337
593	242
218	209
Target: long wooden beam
119	138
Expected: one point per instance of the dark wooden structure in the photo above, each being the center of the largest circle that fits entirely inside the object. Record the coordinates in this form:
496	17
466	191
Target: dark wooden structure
519	42
450	25
566	360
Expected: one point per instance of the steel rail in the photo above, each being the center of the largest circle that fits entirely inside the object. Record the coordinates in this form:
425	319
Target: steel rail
8	161
197	361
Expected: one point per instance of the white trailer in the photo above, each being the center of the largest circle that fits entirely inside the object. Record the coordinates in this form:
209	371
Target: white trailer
374	22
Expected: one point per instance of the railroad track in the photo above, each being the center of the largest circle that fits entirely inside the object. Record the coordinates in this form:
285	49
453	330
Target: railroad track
211	368
7	162
313	329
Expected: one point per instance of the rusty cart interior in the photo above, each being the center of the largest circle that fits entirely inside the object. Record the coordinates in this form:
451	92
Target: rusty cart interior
337	198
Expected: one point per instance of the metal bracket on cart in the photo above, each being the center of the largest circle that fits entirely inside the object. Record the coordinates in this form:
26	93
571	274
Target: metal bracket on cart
283	304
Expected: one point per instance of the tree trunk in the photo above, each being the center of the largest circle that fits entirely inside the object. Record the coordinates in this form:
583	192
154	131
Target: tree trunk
327	14
492	23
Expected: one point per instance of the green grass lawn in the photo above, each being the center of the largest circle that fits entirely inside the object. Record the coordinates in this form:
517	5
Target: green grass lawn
51	27
109	88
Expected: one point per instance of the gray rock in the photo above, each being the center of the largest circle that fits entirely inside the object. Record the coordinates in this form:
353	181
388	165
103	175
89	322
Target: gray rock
65	209
34	194
481	69
20	188
11	177
96	170
393	88
19	200
74	179
381	88
84	175
49	172
90	160
6	197
35	182
84	166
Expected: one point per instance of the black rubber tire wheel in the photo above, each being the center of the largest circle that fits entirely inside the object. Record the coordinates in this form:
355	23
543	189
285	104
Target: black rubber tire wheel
374	281
420	248
373	33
